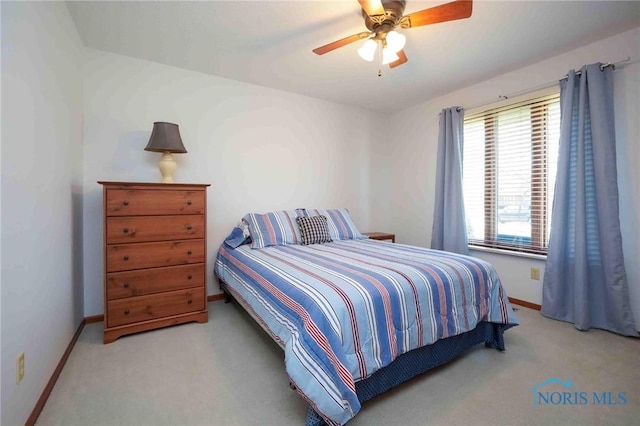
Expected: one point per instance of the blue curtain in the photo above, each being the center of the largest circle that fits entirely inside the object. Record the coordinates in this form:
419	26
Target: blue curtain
585	281
449	226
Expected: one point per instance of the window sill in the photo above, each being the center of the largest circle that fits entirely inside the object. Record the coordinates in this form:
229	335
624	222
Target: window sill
508	252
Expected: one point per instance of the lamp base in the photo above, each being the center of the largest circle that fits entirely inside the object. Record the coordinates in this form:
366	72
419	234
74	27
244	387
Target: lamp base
167	166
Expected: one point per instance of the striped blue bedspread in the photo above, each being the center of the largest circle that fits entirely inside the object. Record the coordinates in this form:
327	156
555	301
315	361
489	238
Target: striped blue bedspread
345	309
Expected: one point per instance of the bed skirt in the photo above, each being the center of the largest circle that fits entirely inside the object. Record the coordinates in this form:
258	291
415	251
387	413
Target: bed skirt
420	360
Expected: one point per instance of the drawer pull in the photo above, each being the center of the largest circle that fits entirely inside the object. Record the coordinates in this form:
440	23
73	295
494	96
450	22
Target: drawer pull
188	252
188	202
126	285
125	230
189	276
189	301
189	227
125	202
126	312
125	257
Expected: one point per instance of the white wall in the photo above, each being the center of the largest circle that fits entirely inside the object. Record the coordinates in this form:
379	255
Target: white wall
41	185
261	149
406	158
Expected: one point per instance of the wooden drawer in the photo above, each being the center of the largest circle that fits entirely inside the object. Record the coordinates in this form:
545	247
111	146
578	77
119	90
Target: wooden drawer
156	280
130	202
149	307
125	257
132	229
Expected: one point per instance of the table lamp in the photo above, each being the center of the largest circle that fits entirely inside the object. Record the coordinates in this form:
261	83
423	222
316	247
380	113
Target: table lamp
165	138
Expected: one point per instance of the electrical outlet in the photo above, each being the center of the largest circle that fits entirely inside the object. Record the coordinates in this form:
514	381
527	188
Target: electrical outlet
535	274
19	368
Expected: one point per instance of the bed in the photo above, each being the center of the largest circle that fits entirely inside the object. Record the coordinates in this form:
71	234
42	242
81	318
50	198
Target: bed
356	317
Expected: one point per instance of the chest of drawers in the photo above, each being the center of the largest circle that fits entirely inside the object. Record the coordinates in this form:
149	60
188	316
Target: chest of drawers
154	256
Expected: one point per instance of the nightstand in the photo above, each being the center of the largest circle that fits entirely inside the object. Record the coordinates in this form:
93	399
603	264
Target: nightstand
381	236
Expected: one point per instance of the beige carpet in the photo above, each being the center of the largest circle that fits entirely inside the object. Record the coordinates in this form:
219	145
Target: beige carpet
228	372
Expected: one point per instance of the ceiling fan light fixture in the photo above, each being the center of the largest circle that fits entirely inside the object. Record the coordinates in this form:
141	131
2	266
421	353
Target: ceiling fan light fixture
389	56
368	50
381	17
395	41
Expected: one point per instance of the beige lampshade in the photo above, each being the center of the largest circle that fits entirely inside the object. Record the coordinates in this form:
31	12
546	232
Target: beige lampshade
165	137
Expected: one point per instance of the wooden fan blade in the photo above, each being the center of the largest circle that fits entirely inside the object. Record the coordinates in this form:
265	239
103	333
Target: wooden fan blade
445	12
402	58
372	7
339	43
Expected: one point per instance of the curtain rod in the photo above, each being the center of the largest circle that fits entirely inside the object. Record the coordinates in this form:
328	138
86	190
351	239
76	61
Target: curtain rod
603	66
613	65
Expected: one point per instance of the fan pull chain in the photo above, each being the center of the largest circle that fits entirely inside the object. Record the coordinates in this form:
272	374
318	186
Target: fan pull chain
380	58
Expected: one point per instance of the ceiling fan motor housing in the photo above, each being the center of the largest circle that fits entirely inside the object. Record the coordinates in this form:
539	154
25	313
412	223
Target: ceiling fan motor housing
382	24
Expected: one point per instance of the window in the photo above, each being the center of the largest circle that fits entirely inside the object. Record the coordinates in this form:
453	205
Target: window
509	171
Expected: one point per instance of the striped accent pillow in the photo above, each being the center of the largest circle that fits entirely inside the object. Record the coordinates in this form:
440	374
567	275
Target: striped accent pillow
274	228
340	224
314	230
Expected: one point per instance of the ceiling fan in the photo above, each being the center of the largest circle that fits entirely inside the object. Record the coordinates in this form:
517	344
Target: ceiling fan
382	17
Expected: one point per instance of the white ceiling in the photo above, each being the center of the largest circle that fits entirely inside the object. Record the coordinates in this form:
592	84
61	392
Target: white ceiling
269	42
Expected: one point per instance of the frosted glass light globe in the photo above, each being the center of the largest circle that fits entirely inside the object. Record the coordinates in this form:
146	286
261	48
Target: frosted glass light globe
395	41
368	50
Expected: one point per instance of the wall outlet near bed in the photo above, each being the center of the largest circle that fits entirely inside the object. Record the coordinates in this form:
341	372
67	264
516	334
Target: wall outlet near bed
535	274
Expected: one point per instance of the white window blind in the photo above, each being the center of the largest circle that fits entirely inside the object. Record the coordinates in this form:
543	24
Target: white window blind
509	170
